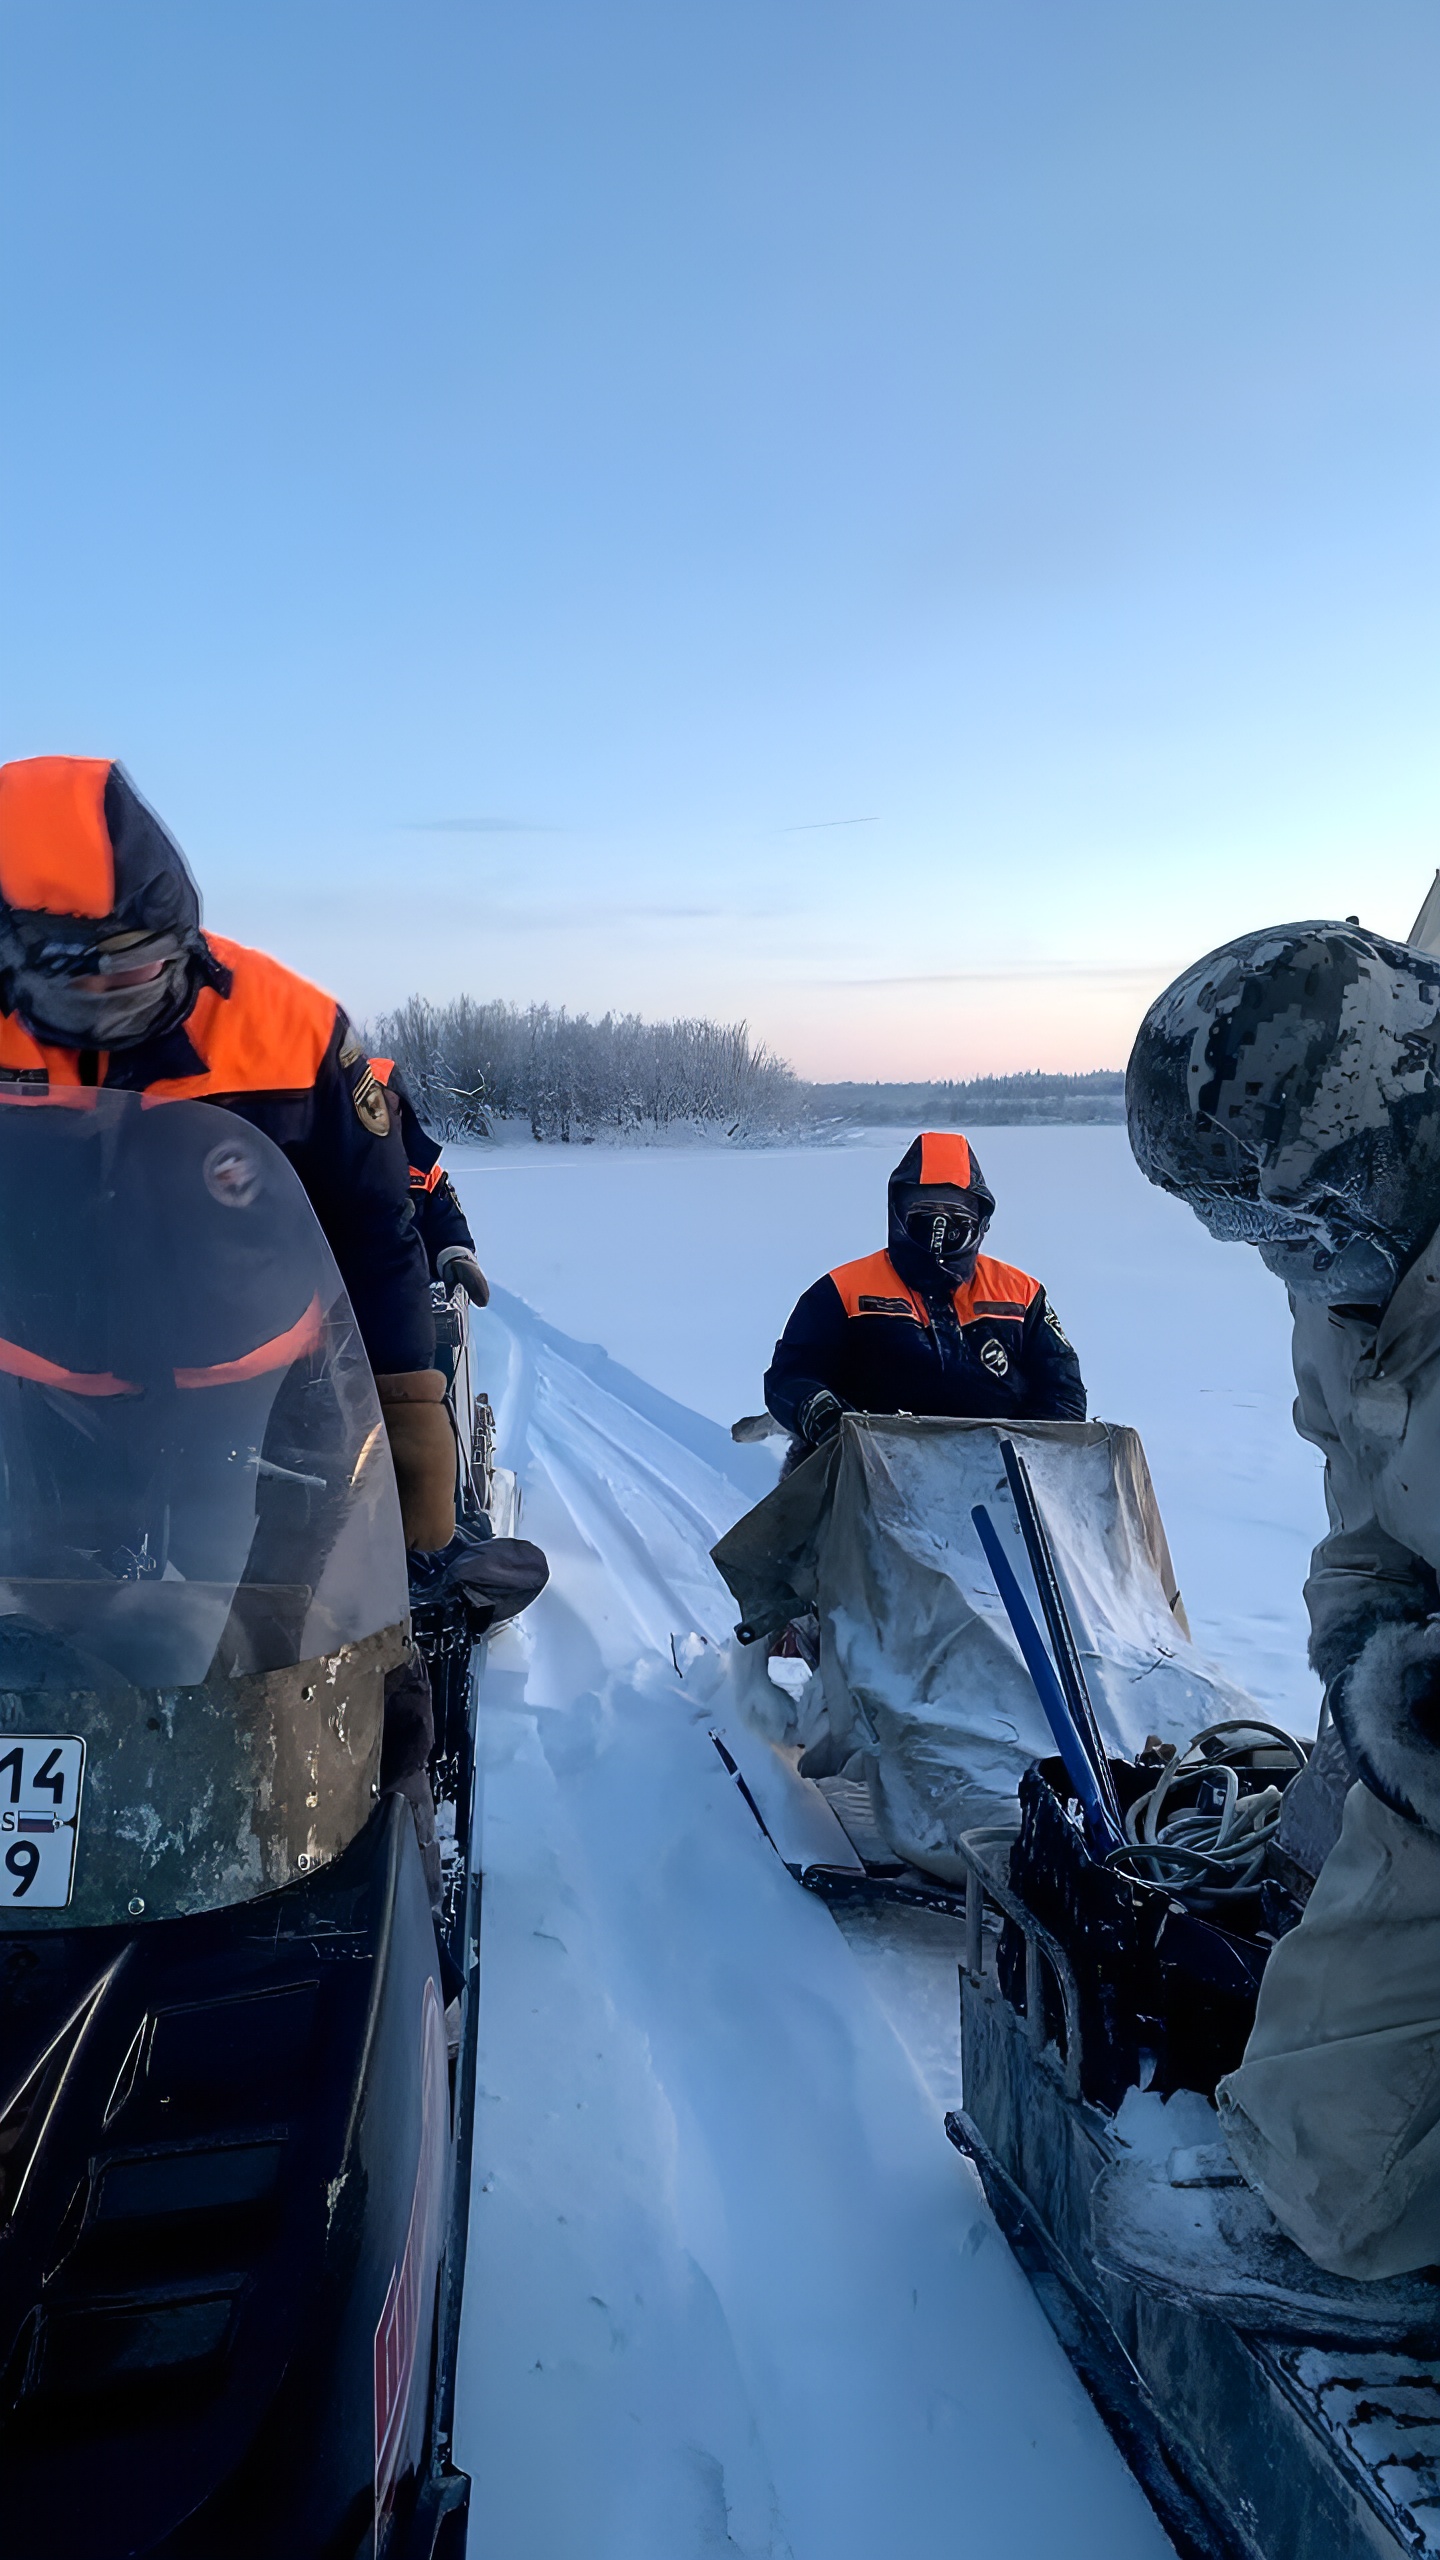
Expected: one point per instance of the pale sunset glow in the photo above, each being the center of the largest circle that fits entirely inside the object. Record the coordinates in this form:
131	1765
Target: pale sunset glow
901	524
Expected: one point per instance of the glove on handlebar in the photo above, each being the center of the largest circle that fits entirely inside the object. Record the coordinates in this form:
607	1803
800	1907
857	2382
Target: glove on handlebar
458	1269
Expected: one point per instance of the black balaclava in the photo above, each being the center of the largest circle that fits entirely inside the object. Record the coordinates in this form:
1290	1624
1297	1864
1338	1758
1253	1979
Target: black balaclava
940	1207
92	885
1287	1088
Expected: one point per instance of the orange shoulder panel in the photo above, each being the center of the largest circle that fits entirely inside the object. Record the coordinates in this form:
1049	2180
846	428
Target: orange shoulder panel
997	1289
874	1276
945	1157
269	1035
20	1048
55	852
382	1069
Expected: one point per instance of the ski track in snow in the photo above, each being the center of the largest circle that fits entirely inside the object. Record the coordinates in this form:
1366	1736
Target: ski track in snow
730	2289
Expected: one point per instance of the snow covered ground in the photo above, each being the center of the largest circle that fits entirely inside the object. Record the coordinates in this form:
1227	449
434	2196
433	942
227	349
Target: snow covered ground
730	2288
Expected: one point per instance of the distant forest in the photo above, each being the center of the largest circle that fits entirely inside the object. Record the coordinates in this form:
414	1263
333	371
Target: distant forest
978	1099
475	1067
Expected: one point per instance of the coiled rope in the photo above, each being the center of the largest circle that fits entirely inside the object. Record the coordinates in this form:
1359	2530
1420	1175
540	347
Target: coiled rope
1208	1857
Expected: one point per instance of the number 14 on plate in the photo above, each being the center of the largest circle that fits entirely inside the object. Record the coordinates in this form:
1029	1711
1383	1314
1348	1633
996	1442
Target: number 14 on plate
40	1778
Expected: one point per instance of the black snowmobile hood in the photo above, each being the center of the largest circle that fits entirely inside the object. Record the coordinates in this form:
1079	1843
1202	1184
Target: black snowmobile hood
1287	1087
940	1159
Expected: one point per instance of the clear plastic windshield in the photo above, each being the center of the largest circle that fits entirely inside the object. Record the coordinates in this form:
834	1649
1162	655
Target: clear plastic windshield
193	1468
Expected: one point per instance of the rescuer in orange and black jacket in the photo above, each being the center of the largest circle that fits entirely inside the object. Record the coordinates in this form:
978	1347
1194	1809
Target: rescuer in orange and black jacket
107	979
931	1325
443	1227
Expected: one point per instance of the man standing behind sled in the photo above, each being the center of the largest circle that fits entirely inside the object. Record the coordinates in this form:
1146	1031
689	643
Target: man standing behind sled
929	1325
1288	1088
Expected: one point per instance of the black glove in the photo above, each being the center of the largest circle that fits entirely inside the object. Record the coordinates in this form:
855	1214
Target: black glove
819	1416
458	1269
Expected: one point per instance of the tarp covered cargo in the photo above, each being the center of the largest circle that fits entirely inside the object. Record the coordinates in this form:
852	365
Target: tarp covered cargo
921	1675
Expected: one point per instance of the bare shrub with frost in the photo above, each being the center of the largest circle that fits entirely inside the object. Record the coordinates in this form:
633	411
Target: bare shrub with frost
470	1064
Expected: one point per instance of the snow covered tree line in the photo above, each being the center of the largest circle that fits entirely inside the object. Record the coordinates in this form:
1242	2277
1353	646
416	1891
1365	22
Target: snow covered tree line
472	1064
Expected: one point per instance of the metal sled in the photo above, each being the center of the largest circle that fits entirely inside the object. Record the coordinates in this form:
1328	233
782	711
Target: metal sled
1254	2438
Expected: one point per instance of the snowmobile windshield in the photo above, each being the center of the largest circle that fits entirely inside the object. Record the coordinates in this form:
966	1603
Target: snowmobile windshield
193	1468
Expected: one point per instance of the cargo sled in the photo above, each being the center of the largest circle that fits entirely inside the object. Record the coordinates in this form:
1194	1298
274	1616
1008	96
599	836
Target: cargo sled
236	2057
1120	1890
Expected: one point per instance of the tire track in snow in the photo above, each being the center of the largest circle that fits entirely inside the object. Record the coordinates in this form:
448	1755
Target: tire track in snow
730	2290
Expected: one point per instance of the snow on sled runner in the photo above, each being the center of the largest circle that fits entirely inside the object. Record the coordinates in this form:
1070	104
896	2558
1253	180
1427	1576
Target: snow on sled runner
232	2138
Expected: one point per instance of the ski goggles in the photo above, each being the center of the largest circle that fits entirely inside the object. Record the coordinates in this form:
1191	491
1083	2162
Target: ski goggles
116	957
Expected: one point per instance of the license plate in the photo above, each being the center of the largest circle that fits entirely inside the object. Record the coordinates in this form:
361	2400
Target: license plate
40	1777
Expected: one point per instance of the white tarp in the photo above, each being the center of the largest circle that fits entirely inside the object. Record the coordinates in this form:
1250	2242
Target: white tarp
920	1672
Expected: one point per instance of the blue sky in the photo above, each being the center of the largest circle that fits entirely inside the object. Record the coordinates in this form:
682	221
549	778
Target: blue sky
901	521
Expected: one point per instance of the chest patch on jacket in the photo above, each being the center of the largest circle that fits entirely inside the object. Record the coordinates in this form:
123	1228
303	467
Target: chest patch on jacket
995	1359
885	1307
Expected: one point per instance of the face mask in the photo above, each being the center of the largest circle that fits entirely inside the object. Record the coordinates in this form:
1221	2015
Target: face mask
1361	1274
949	1236
1303	1252
75	1017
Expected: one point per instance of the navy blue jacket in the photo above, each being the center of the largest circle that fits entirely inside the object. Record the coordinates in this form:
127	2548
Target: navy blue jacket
81	856
438	1215
266	1045
894	1333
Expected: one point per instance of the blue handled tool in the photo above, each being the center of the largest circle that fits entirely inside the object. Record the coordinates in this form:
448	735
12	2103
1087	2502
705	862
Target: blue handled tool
1068	1666
1104	1830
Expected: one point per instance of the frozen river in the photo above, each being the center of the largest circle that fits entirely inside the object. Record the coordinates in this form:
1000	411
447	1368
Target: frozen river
730	2288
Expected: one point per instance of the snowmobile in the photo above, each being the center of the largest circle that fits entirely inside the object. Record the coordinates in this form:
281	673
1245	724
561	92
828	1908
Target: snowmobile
236	2059
1114	1938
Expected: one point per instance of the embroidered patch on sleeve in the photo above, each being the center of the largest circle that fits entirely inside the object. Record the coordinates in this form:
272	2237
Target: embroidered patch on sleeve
371	1107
